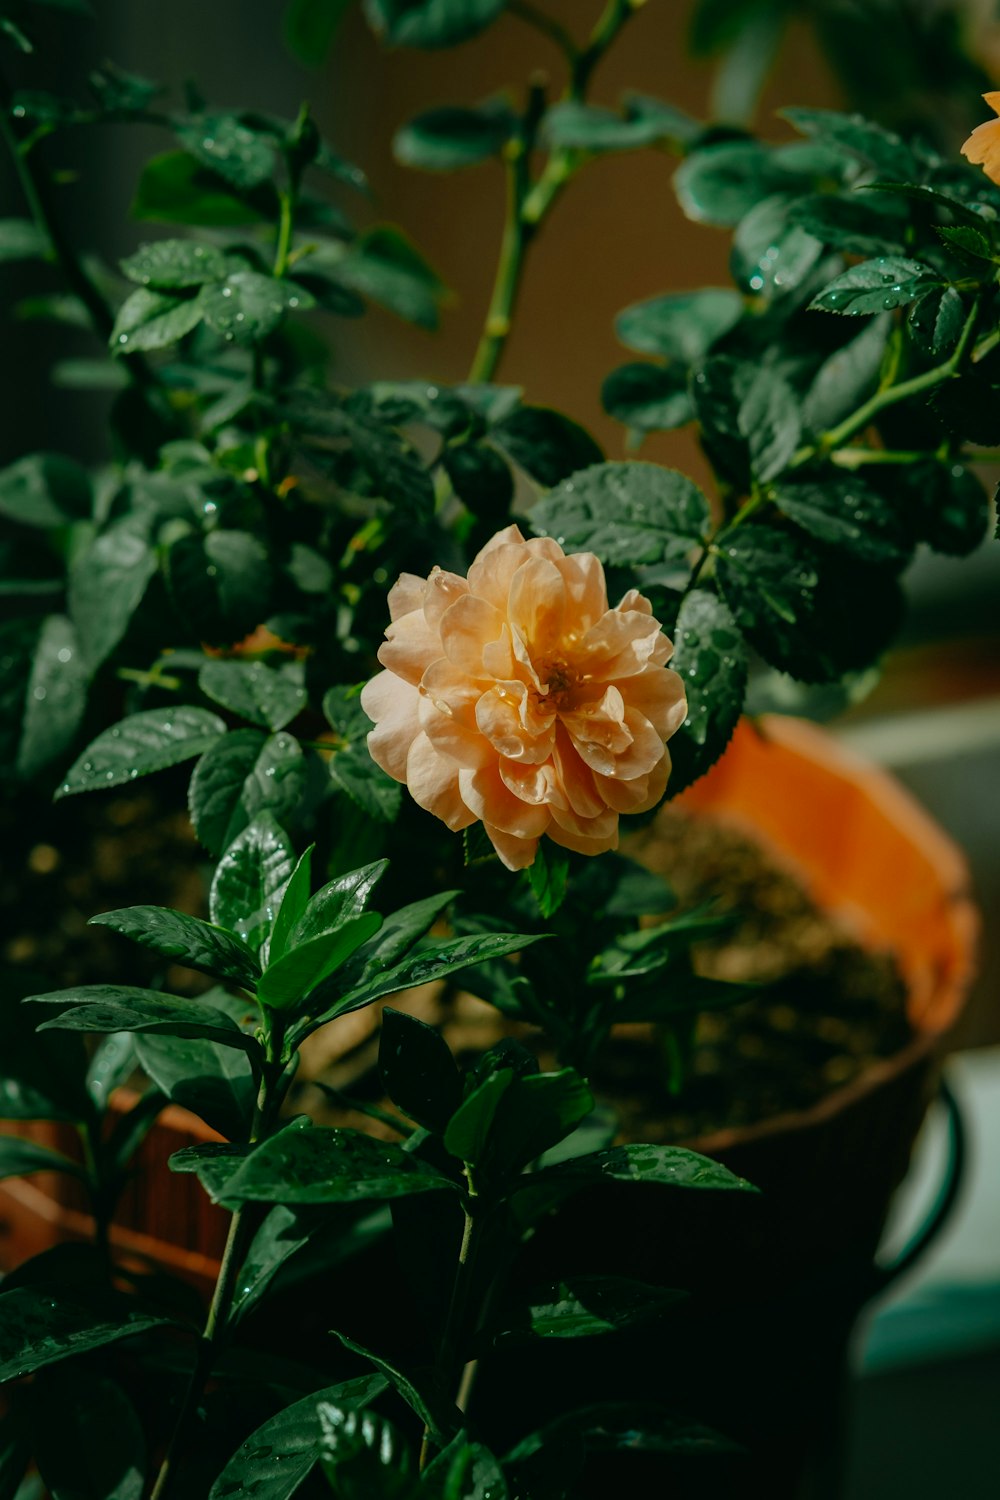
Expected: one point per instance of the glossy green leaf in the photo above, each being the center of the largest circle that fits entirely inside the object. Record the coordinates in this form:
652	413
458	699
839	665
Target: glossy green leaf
481	478
276	1458
264	695
339	901
573	125
274	780
21	239
228	147
627	513
176	189
56	697
121	1007
175	265
89	1445
850	224
306	964
39	1329
430	23
44	490
648	398
153	320
351	767
330	1166
250	880
445	139
847	377
936	320
19	1157
466	1471
770	421
294	901
682	325
718	184
216	1083
362	1455
846	512
112	1064
293	1244
140	744
876	285
711	657
772	253
107	584
858	138
547	876
399	932
547	445
418	1071
383	265
185	939
220	583
583	1306
664	1166
467	1136
247	306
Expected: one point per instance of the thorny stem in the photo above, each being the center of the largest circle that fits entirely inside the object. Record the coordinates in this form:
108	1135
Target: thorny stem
528	204
274	1081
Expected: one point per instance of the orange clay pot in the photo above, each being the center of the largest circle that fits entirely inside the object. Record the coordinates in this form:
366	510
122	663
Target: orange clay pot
867	853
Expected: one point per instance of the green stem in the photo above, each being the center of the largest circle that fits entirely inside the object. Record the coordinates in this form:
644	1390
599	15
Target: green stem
496	329
36	196
269	1099
858	458
149	679
451	1338
534	16
285	225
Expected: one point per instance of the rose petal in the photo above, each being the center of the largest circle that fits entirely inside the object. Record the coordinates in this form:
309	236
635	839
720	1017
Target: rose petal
536	608
410	646
485	794
516	854
406	595
395	707
466	628
433	783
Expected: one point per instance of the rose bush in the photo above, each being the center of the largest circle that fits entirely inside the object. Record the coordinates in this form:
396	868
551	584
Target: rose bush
518	697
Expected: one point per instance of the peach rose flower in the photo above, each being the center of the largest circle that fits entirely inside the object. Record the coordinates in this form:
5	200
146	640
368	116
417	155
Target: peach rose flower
517	697
983	145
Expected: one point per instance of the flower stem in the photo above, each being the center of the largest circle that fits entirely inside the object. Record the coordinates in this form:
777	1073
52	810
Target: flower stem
269	1098
508	276
451	1338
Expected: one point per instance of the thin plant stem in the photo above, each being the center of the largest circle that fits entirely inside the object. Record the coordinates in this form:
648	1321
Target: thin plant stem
274	1082
496	329
458	1306
533	15
285	226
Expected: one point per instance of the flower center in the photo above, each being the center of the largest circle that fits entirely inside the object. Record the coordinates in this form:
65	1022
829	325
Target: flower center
559	681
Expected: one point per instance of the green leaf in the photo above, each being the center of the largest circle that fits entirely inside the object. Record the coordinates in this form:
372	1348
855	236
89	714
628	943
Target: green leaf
123	1007
466	1471
44	490
397	935
445	139
278	1456
430	23
220	583
56	697
587	1305
418	1071
89	1445
547	445
107	583
19	1157
224	144
175	265
39	1330
682	325
481	479
383	265
293	903
242	776
262	694
143	743
859	139
772	253
187	940
573	125
21	239
152	320
808	610
847	377
310	27
362	1455
876	285
946	505
547	875
847	513
435	961
937	319
247	306
339	901
627	513
665	1166
214	1082
718	184
648	398
250	880
467	1136
770	422
330	1166
351	767
848	224
305	965
315	1239
969	240
176	189
42	1077
711	657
